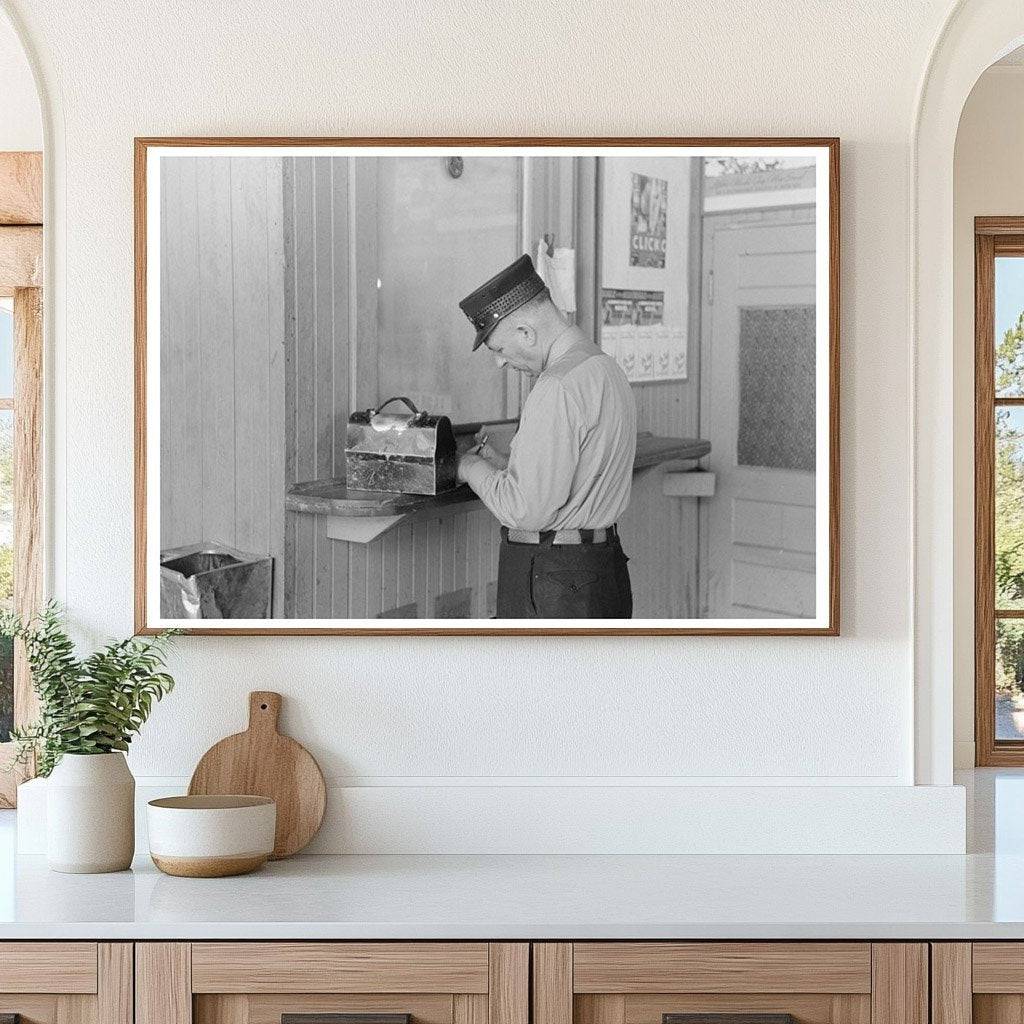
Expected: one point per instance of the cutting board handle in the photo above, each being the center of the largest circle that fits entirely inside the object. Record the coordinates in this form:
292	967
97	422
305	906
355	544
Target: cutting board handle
264	710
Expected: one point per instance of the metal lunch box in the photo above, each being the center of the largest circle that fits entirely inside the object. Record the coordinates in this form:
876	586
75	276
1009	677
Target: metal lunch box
408	453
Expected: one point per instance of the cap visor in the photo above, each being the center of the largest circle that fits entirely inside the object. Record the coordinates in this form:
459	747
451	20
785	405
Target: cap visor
482	336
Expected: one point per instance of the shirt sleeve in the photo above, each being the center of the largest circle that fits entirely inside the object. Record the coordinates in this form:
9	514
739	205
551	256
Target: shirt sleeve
542	462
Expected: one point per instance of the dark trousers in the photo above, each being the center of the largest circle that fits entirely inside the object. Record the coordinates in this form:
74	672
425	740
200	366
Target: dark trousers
563	581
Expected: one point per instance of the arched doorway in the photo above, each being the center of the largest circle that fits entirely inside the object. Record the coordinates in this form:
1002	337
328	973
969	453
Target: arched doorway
976	33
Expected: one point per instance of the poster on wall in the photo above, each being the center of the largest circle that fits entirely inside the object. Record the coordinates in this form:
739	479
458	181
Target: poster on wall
634	333
360	412
648	221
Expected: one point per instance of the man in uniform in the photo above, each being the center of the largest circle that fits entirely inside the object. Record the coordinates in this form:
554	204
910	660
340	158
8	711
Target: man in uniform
567	478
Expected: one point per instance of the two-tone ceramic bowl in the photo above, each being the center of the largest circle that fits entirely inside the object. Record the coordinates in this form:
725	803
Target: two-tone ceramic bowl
211	836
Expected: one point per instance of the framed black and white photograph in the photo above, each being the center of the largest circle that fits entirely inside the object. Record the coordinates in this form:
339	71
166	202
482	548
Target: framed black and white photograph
487	386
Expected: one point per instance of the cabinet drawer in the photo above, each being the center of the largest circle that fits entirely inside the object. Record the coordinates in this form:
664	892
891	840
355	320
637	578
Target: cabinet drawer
629	967
262	982
48	967
736	982
340	967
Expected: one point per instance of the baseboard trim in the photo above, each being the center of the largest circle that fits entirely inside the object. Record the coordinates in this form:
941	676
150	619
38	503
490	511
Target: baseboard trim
545	819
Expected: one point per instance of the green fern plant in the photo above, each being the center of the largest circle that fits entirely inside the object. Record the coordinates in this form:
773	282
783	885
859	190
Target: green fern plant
90	705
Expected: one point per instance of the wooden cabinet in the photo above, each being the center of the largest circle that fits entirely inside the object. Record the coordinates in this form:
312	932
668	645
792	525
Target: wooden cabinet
647	982
494	983
66	982
979	982
259	982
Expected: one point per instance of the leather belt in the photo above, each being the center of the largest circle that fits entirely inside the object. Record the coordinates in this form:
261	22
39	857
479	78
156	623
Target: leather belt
600	536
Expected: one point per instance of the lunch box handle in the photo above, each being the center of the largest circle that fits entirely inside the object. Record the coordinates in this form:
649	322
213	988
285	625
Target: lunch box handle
397	398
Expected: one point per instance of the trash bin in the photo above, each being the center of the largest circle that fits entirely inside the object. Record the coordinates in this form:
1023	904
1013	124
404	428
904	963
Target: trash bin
214	581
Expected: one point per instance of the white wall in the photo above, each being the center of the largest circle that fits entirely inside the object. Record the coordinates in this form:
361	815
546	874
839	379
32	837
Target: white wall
21	126
988	181
393	712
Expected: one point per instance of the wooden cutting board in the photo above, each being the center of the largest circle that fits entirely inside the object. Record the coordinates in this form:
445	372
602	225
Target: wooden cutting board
262	762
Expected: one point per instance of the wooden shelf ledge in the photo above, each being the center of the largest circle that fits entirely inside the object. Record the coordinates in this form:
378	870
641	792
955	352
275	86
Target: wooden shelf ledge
361	516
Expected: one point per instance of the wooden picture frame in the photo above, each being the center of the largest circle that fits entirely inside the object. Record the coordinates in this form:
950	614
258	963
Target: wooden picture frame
578	219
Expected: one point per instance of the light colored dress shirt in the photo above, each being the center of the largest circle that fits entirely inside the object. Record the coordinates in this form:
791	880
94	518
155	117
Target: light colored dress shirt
571	462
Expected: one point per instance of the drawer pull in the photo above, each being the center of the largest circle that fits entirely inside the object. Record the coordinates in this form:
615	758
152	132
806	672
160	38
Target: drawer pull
728	1018
340	1018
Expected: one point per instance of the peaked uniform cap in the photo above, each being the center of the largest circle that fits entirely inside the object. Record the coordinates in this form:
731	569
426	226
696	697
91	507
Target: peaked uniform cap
502	294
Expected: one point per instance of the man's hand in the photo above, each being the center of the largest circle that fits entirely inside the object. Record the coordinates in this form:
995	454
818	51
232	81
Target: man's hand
491	455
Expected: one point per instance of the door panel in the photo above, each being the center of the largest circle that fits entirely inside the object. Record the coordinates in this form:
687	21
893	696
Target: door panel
758	412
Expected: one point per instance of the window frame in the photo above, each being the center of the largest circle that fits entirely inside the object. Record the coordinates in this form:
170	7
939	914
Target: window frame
993	237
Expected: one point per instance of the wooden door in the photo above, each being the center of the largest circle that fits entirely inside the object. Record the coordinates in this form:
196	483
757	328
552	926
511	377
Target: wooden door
748	982
66	982
758	412
264	982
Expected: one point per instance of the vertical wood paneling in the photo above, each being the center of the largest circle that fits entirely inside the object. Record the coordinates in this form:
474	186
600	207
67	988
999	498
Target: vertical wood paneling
660	536
216	345
181	428
421	545
471	528
469	1009
251	344
222	355
389	571
343	297
274	476
163	983
115	995
406	572
374	577
322	379
357	580
301	418
446	549
552	983
899	983
951	983
323	566
340	561
171	358
508	983
290	356
435	566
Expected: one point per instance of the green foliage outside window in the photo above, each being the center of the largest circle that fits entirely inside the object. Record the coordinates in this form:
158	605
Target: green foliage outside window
1009	510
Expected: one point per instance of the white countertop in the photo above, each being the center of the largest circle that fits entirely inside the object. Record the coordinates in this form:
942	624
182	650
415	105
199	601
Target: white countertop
977	896
532	897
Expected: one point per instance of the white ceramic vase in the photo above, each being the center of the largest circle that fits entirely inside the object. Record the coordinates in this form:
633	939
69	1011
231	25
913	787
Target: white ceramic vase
90	814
